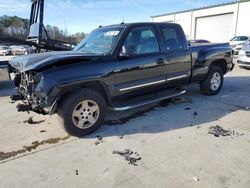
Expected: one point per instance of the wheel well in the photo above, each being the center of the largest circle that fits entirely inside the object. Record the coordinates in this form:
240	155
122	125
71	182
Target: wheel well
95	86
220	63
99	88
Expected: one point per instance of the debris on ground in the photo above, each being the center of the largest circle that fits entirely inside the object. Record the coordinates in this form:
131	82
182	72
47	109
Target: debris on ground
198	127
23	108
129	155
43	131
219	131
121	137
188	108
32	122
99	140
195	114
195	178
77	172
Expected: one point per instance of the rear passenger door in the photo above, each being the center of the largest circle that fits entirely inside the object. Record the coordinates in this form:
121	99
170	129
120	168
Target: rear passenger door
177	55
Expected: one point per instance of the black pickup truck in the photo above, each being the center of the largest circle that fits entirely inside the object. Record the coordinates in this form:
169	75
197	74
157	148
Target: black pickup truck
118	67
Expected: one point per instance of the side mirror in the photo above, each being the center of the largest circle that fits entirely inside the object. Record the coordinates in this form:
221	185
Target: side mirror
127	51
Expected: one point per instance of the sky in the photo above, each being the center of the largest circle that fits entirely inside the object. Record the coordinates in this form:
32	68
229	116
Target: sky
86	15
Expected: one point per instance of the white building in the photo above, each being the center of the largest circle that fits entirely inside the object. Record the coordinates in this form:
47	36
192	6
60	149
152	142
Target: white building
218	23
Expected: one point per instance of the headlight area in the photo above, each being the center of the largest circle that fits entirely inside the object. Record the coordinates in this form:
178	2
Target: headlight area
31	93
241	53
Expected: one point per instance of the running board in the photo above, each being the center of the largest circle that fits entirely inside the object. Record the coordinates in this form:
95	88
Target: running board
147	99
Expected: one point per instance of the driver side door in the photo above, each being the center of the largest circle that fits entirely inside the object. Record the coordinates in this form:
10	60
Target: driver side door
144	71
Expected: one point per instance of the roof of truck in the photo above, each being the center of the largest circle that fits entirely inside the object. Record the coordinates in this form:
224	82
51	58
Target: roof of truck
138	24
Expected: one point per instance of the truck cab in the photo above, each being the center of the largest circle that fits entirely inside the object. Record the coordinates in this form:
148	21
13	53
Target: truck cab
119	67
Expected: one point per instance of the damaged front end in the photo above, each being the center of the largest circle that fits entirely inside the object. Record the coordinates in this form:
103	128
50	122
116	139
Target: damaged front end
30	93
37	77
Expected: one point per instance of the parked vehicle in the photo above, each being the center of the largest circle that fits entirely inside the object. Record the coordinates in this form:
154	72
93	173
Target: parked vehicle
5	50
243	58
237	42
18	50
118	67
29	49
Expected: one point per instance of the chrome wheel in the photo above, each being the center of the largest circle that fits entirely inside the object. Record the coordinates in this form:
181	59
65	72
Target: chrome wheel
85	114
215	81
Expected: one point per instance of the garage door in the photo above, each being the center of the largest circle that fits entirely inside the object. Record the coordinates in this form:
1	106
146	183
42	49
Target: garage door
215	28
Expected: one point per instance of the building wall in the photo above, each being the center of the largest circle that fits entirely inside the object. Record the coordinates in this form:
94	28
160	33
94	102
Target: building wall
188	20
243	26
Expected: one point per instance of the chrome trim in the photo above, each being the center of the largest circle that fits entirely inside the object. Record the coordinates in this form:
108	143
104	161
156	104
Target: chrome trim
142	85
177	77
51	109
149	102
243	65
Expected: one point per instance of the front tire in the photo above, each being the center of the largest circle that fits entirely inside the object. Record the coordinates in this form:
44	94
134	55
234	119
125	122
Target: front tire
82	112
214	81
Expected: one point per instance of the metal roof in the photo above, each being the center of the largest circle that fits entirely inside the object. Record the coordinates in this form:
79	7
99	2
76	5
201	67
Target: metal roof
200	8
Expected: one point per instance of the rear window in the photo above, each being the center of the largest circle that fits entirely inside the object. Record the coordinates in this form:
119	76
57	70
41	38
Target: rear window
143	40
173	38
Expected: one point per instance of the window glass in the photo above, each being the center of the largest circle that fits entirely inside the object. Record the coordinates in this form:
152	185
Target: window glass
243	38
239	38
143	40
172	38
100	41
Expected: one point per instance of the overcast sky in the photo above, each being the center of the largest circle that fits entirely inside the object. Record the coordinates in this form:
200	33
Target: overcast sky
85	15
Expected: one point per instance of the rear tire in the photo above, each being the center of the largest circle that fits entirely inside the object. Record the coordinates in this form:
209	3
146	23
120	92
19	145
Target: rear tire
82	112
214	81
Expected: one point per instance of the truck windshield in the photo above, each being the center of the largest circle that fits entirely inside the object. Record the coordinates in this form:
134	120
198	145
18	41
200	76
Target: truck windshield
100	41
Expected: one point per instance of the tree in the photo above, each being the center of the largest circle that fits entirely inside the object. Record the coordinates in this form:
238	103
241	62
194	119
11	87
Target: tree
18	28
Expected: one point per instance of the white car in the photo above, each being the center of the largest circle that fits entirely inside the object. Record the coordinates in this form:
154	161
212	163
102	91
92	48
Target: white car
4	50
18	50
243	58
237	42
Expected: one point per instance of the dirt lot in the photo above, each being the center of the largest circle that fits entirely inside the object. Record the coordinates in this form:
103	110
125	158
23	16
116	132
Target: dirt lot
170	137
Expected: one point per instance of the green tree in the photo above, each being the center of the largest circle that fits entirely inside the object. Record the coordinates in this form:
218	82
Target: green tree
19	28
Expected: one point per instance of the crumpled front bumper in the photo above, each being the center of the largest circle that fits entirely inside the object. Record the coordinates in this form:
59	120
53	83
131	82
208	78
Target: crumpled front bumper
27	106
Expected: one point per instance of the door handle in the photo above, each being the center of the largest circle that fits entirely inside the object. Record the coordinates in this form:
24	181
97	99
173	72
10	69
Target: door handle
160	61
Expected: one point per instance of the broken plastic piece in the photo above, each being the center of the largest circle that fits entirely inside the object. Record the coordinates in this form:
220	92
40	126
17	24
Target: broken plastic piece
219	131
127	154
23	108
16	97
195	178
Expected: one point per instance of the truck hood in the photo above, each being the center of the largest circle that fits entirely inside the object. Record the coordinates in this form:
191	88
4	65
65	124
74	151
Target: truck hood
37	61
